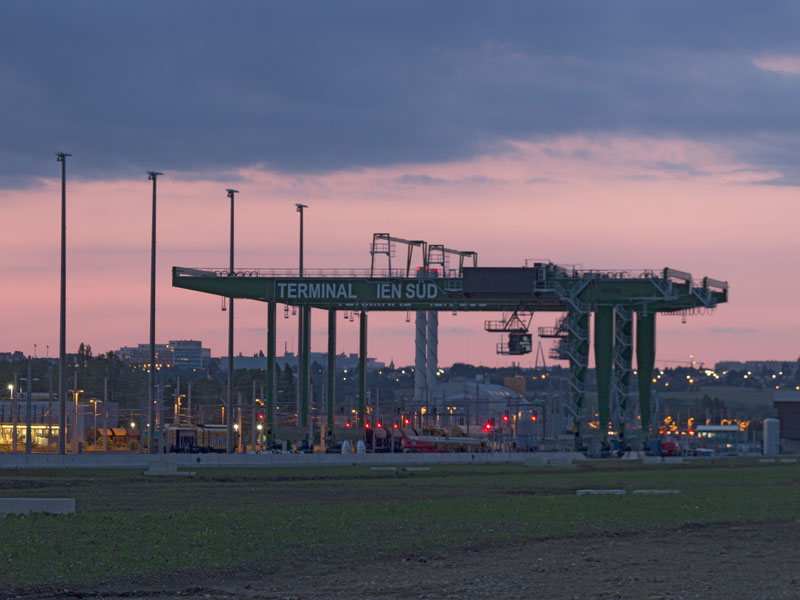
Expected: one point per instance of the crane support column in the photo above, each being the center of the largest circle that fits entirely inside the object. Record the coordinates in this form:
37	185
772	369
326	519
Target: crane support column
577	350
433	352
303	378
623	357
270	363
362	370
420	361
645	361
603	348
331	366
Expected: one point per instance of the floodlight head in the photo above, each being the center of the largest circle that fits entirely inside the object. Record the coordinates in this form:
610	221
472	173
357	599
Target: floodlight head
151	175
231	192
60	156
300	207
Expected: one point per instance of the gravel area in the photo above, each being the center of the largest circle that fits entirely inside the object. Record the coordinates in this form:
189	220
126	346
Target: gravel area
741	561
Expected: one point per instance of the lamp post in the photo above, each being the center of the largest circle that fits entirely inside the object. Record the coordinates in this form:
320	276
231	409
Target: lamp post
11	399
300	324
62	344
152	176
76	392
229	446
94	402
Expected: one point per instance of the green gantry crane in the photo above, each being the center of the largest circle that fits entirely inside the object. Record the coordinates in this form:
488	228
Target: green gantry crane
617	299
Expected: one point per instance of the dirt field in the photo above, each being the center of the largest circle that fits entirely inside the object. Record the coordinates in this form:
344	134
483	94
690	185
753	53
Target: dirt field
750	561
451	532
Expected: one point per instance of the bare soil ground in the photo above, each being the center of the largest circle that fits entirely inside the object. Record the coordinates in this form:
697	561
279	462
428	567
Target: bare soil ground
741	561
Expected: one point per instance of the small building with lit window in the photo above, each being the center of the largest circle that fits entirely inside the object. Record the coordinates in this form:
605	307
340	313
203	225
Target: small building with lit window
787	402
722	439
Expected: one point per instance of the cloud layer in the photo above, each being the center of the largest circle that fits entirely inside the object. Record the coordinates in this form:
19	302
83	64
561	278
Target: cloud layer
312	87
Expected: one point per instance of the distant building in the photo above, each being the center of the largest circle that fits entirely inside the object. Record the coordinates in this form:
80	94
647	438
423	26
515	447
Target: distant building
140	355
259	361
189	354
183	354
788	404
756	365
516	383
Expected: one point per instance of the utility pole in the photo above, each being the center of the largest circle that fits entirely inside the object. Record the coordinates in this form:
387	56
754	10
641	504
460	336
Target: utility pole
152	176
28	398
75	416
14	418
105	414
230	445
300	324
62	338
161	430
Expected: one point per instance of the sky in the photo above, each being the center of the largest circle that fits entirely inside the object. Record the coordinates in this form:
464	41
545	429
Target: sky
614	135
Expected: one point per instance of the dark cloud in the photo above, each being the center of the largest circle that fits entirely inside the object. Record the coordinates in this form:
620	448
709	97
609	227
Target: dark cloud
309	87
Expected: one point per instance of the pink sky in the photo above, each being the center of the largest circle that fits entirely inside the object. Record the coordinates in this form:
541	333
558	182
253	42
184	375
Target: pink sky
599	202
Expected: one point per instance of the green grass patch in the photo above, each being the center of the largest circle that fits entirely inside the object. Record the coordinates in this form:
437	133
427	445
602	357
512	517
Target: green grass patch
128	524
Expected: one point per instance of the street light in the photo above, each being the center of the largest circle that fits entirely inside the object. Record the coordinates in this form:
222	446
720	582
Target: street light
229	444
11	392
152	176
94	401
300	325
62	342
75	435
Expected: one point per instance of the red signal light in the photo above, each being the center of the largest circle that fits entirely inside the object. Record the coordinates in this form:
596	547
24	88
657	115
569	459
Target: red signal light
505	417
407	421
488	426
533	417
395	425
260	416
347	425
367	425
380	424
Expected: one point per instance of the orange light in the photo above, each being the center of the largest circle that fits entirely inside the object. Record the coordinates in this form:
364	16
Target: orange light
691	432
533	417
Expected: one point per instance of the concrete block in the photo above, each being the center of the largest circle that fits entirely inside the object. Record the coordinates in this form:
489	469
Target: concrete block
633	455
166	468
788	460
23	506
600	492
